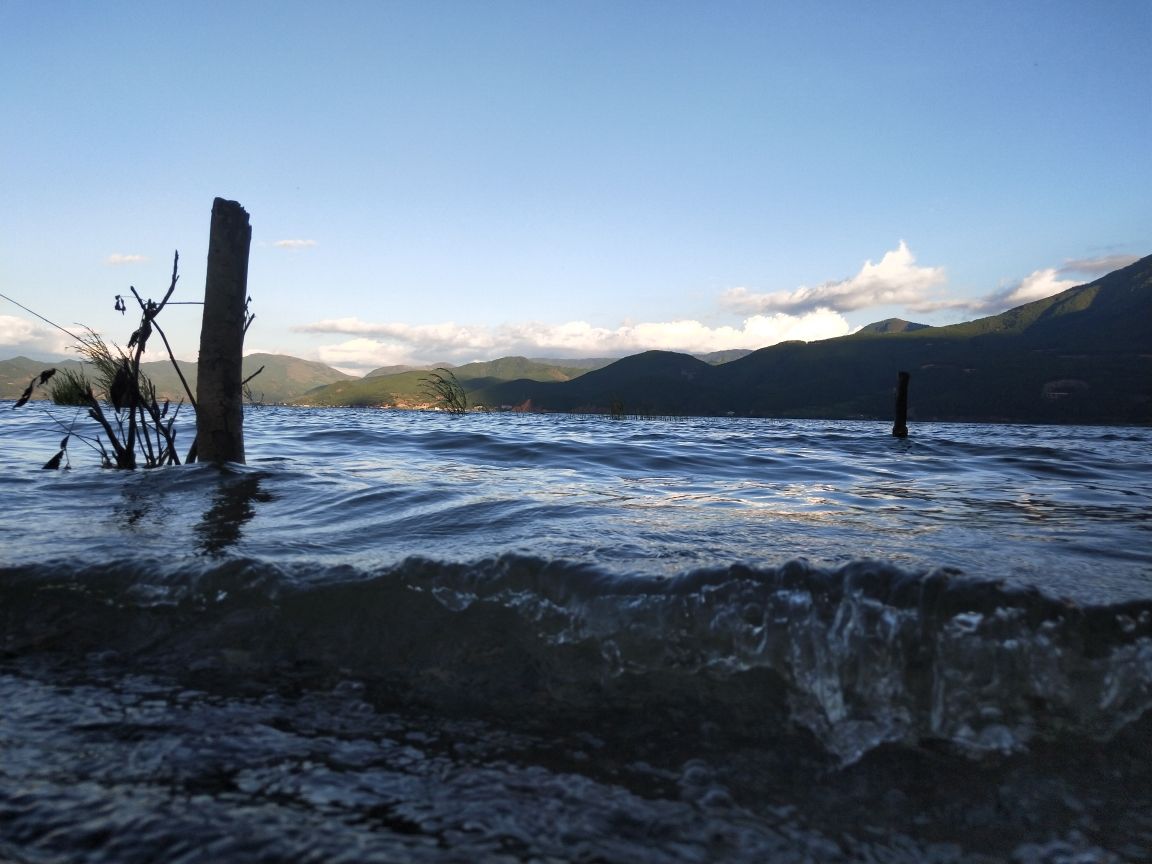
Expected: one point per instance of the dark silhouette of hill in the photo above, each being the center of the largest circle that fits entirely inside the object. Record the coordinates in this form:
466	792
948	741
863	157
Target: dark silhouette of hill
648	383
1084	355
584	363
891	325
715	358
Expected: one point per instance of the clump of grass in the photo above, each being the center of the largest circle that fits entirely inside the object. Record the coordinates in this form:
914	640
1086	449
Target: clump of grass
445	391
70	387
138	421
139	430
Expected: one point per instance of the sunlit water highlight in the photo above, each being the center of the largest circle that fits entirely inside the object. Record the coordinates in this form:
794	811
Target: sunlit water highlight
411	636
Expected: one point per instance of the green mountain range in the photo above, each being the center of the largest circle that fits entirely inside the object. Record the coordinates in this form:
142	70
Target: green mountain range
1081	356
403	386
405	389
283	378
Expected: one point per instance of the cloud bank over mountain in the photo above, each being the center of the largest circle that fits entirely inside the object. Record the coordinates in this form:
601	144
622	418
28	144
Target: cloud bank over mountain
897	280
761	318
20	336
743	318
1045	282
380	344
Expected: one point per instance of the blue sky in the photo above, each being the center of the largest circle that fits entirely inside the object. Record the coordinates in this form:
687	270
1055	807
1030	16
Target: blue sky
449	181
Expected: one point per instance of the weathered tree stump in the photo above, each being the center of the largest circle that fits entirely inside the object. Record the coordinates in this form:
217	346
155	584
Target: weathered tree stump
219	400
900	426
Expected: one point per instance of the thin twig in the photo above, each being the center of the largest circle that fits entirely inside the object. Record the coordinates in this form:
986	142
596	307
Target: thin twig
176	366
69	429
163	337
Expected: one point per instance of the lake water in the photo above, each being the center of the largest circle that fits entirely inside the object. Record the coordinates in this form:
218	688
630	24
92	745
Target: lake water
401	636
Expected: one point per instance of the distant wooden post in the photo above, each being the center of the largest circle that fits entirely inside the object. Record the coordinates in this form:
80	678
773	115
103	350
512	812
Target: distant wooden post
219	401
900	426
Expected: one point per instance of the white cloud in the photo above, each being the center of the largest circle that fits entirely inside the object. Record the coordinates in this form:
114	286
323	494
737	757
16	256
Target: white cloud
1037	285
1046	282
1094	268
391	343
116	259
20	336
895	280
294	244
357	356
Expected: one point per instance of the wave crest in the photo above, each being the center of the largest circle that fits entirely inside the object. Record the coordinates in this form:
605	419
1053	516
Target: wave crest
854	657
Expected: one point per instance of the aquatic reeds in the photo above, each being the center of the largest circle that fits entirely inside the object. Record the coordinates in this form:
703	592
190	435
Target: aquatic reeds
445	392
138	428
70	387
139	431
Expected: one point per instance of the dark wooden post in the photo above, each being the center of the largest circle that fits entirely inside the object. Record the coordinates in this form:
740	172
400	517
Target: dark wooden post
900	426
219	405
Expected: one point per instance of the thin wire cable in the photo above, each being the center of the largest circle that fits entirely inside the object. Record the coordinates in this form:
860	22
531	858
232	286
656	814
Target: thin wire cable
41	317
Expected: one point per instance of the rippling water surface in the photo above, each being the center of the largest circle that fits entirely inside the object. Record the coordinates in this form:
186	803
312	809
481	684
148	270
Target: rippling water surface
407	636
